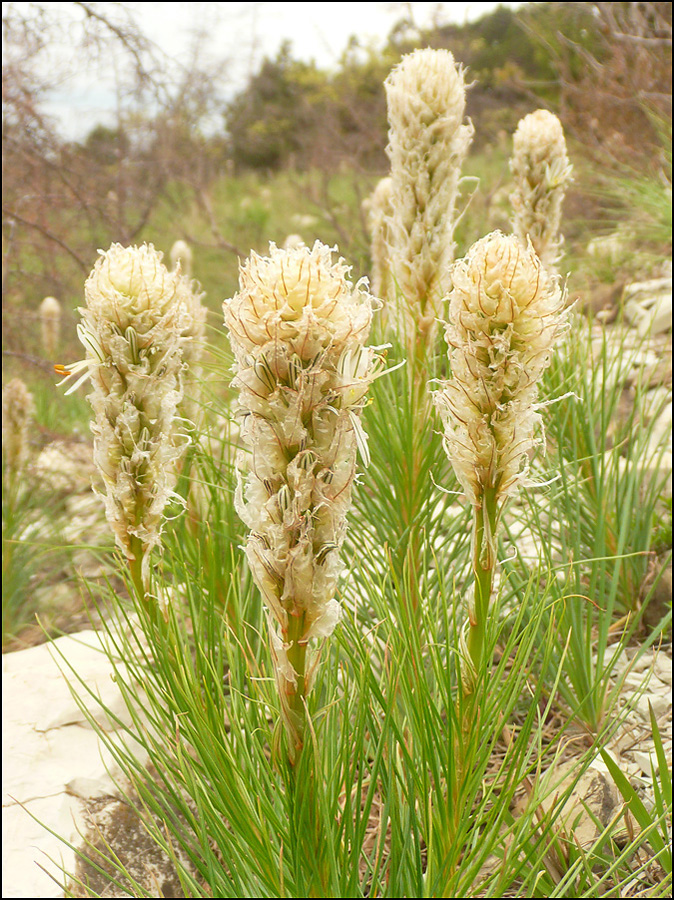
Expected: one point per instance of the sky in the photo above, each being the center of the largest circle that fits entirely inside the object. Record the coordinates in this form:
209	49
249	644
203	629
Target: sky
318	31
243	34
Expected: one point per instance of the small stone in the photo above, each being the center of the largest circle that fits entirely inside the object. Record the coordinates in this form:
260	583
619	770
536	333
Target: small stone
635	680
663	663
660	705
87	788
648	305
617	662
647	762
594	800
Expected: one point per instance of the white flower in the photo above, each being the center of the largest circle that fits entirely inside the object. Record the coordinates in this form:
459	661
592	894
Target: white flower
428	142
505	315
298	328
542	172
134	330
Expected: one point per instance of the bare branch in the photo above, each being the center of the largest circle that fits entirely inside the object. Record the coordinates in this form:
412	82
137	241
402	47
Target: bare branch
11	214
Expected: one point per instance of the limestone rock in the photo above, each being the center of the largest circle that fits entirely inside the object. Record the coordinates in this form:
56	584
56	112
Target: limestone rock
590	807
52	757
648	305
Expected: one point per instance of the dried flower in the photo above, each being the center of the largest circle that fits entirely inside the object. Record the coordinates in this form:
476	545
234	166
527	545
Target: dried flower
298	328
50	324
428	141
134	329
17	409
542	172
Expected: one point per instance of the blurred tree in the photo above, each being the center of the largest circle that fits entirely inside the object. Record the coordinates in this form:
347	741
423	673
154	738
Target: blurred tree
64	199
613	64
105	146
268	122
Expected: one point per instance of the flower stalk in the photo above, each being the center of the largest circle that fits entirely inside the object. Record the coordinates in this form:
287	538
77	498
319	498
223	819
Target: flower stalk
542	173
135	328
506	313
298	329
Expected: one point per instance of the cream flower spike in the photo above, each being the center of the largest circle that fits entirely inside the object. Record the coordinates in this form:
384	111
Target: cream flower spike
50	324
298	328
377	210
134	329
181	257
18	407
506	313
542	173
428	141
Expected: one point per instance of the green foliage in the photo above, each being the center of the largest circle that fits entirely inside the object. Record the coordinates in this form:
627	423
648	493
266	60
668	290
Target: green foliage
655	825
607	475
662	534
18	552
268	121
292	114
34	560
106	145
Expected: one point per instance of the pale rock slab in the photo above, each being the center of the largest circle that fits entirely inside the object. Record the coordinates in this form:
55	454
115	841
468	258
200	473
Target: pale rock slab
52	759
648	305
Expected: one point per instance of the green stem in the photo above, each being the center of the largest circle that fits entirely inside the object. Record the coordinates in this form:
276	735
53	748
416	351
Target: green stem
136	568
415	469
308	831
141	588
484	564
309	838
294	702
